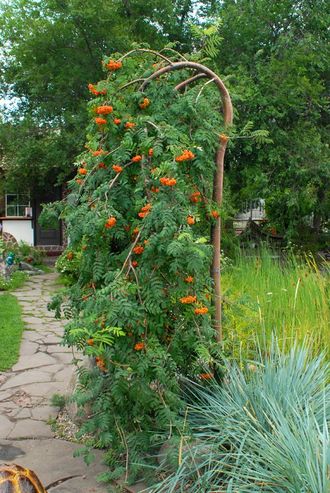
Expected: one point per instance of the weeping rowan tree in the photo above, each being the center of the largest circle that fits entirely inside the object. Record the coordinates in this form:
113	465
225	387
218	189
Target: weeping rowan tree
145	302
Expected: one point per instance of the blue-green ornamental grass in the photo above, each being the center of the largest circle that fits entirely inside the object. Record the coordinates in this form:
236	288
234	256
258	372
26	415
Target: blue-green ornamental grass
266	429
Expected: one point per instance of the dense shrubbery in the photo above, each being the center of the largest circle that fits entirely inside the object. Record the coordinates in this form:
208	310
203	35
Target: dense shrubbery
139	215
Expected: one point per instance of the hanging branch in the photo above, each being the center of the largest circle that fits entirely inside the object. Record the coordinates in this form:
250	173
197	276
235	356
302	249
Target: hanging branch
203	71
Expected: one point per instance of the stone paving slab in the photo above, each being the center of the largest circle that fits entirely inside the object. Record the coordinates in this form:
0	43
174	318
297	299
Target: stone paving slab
53	461
43	369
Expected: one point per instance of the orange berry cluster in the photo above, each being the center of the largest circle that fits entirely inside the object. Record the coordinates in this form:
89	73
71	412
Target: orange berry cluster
113	65
130	125
215	214
195	197
136	159
203	310
168	182
94	91
100	121
100	152
104	110
111	222
186	300
145	103
185	156
117	168
150	152
117	121
82	171
100	363
139	346
190	220
102	165
145	211
189	279
138	250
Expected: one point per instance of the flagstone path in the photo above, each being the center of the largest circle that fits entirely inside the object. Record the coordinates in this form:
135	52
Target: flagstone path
44	368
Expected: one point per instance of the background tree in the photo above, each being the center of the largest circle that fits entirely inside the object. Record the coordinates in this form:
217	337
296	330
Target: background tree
51	50
277	53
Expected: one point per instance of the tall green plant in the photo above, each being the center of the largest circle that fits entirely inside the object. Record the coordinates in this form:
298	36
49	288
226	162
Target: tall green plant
266	429
286	295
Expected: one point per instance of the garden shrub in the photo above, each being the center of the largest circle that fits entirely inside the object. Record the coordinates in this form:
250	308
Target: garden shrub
139	214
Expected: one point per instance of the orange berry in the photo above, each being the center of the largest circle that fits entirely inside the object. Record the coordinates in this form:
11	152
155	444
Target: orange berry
138	249
144	104
117	121
189	279
150	152
69	255
82	171
102	165
111	222
201	311
139	346
90	342
135	263
136	231
136	159
100	152
113	65
187	300
130	125
100	121
185	156
104	110
215	214
117	168
190	220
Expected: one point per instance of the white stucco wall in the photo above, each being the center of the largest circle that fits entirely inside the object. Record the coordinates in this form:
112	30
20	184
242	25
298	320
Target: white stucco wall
20	229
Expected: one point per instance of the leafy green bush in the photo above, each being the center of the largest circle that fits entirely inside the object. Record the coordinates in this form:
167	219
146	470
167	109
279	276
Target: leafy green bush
265	429
25	253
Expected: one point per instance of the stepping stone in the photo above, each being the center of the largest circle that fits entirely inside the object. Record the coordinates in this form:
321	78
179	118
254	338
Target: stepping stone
28	348
34	361
26	377
5	426
46	389
30	428
52	460
44	412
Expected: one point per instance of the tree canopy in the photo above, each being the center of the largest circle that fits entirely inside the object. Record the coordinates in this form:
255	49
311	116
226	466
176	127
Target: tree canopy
273	55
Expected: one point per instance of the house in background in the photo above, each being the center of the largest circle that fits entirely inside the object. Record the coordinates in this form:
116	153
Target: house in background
19	220
252	211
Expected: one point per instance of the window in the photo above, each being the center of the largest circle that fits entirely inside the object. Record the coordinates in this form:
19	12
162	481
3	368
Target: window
18	204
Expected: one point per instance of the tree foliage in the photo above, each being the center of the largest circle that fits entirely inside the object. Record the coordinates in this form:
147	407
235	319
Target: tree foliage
50	51
139	215
277	54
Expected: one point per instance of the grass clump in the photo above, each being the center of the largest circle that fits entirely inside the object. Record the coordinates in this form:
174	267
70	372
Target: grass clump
265	429
16	281
11	328
265	294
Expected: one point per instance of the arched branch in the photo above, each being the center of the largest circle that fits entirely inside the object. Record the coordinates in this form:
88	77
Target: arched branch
203	71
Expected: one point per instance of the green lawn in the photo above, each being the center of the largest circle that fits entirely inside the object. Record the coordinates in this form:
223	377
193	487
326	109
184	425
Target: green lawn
11	328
